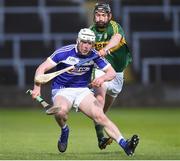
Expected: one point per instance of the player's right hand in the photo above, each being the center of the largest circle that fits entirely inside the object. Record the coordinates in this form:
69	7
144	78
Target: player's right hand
97	82
102	52
36	92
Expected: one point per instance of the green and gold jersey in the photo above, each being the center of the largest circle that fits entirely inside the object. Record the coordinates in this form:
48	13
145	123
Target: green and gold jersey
119	56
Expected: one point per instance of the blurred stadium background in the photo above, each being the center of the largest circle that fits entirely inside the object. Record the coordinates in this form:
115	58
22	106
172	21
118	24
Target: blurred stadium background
31	30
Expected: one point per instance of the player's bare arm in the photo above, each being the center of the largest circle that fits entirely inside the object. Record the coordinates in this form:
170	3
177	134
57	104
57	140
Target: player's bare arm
114	41
44	67
109	75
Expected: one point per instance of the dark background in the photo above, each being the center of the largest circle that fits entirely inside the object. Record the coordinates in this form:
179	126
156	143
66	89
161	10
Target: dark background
31	30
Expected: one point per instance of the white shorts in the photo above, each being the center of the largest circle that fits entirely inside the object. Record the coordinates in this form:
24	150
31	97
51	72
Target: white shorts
73	95
114	86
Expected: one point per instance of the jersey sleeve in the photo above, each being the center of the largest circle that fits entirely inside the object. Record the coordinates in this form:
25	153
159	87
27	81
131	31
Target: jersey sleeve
116	28
101	63
56	57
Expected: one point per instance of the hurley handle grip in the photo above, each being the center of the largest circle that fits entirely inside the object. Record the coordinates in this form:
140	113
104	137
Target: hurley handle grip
38	98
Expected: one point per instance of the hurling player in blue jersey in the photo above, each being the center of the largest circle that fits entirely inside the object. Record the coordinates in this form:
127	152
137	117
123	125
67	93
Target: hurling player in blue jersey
70	89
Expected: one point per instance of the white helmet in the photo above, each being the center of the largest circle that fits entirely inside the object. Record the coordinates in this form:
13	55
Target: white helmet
86	35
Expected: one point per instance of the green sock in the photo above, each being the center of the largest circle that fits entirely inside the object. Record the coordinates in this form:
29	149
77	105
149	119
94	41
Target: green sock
99	131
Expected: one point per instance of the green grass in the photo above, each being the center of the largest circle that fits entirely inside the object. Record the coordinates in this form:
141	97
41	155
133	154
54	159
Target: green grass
31	135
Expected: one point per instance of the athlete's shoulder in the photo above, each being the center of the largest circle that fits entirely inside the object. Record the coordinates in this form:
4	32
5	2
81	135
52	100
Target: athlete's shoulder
115	26
62	50
114	22
66	48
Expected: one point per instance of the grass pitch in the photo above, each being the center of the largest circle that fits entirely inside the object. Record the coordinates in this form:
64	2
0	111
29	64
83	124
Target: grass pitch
32	135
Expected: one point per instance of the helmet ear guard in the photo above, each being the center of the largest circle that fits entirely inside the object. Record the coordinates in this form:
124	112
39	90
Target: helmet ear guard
86	34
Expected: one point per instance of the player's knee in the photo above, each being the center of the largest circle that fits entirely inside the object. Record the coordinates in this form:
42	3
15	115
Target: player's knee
62	112
100	118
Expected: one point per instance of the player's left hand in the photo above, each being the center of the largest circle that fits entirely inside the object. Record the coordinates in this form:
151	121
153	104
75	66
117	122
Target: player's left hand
97	82
102	52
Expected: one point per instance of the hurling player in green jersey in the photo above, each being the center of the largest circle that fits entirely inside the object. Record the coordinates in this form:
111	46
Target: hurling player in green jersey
111	44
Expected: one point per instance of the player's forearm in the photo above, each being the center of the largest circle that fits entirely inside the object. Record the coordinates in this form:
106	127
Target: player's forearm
44	67
114	41
109	75
37	87
40	70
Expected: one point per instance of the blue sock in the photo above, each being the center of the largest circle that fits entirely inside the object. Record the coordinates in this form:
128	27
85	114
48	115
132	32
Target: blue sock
122	143
64	134
65	128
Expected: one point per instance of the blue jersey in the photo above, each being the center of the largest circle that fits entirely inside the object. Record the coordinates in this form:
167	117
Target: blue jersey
80	76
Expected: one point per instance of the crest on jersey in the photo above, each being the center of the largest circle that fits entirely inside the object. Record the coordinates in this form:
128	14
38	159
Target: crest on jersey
71	60
79	71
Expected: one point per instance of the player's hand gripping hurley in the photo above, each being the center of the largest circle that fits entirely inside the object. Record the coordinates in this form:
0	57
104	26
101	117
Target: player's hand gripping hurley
50	110
44	78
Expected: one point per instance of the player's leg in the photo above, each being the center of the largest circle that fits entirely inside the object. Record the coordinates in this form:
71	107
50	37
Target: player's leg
102	140
106	97
114	87
108	102
90	107
100	94
61	118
